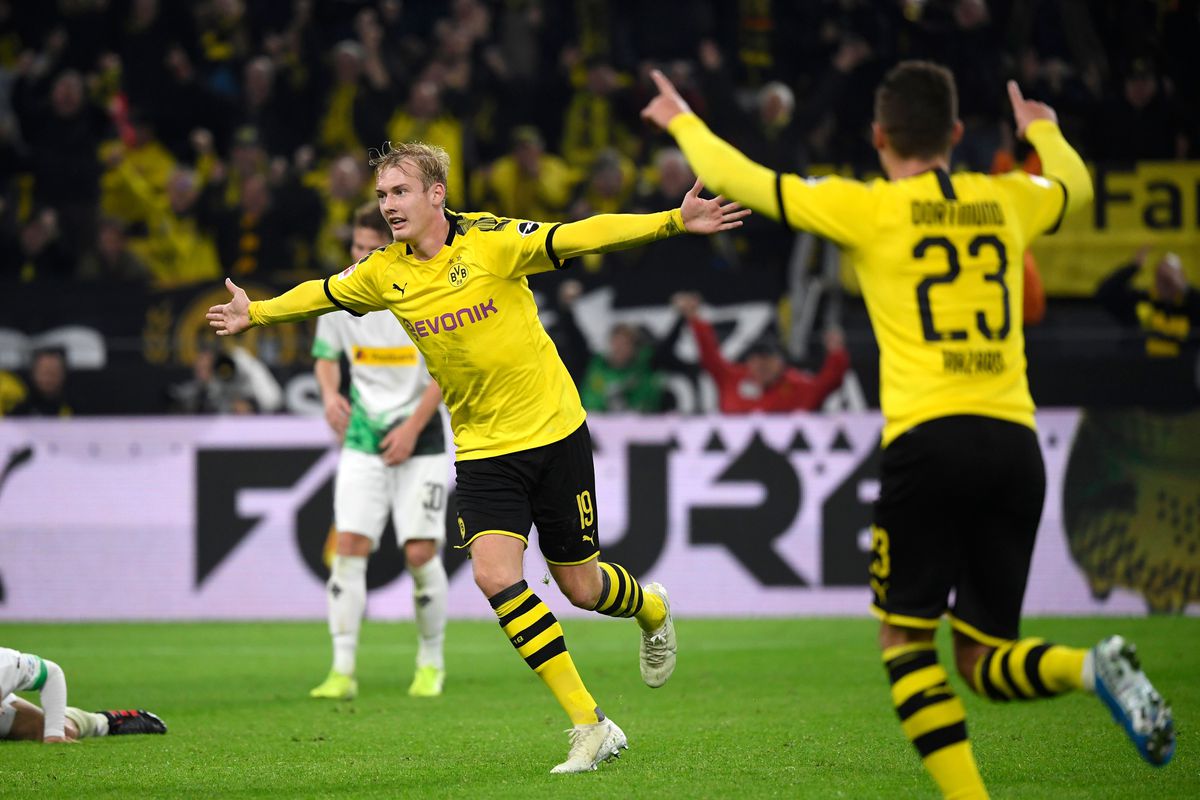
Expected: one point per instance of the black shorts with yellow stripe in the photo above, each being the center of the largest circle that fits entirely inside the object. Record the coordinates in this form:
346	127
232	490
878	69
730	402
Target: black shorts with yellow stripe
958	510
553	487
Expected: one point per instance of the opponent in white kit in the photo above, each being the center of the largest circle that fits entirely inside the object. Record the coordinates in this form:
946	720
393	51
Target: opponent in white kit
394	457
58	722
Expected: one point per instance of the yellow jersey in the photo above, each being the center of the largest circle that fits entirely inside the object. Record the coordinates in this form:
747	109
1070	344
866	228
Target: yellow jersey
470	312
939	260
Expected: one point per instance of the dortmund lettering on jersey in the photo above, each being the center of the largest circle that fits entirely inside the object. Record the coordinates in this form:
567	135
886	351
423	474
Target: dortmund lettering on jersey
471	314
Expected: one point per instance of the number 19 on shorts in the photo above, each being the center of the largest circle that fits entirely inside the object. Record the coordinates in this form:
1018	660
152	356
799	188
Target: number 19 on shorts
587	512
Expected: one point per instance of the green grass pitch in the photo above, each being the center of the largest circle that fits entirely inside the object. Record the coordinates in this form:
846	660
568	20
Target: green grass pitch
763	708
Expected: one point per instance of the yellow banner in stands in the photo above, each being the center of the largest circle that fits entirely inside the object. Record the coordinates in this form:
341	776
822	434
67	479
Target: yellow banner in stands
1153	203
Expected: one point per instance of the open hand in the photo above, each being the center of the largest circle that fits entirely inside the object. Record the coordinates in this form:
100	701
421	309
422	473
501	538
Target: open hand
1027	111
710	216
232	317
667	104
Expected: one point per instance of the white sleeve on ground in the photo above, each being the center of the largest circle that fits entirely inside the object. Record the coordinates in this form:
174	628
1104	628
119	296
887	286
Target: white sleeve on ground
54	700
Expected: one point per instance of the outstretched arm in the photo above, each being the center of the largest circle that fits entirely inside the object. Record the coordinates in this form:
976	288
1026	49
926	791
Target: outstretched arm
607	232
306	300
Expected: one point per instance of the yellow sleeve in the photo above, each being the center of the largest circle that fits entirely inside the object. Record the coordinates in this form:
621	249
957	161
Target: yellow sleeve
353	289
1061	162
1064	186
524	247
301	302
604	233
836	208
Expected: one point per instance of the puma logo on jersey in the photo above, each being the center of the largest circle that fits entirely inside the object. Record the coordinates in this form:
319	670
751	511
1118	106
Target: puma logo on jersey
452	320
588	539
400	289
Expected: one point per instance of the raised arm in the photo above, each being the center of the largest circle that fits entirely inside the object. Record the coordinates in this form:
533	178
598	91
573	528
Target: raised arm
720	164
1038	124
834	208
607	232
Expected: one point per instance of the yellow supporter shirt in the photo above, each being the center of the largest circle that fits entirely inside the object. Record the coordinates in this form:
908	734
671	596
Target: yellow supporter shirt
939	259
470	312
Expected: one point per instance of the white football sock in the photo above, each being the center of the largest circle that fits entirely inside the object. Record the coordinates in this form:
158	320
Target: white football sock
429	603
88	723
347	596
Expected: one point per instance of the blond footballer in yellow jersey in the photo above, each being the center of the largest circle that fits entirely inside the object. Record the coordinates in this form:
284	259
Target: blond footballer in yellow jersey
962	480
457	283
471	313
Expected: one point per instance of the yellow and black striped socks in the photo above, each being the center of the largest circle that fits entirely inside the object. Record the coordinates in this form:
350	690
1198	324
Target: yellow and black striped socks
538	637
933	719
1027	670
622	596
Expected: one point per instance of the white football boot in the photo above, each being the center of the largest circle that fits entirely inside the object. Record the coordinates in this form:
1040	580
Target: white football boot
1132	699
591	744
657	651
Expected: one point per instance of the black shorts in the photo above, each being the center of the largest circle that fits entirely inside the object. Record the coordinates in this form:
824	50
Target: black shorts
959	504
553	487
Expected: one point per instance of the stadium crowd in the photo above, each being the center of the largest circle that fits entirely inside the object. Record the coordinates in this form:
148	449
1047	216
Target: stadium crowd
180	142
168	145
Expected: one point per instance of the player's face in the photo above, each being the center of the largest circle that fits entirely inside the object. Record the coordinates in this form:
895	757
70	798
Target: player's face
364	240
407	205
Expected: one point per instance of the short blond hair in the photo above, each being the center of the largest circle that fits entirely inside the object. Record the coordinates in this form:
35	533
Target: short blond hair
432	162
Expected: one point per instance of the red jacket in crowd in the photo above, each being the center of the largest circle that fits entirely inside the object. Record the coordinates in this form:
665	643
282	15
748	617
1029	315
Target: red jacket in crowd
795	390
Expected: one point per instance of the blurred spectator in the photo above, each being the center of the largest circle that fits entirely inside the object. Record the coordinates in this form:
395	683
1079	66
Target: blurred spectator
178	245
608	188
268	108
63	130
596	119
528	183
342	188
224	40
111	259
253	238
37	251
628	376
1141	120
1168	315
226	383
423	119
146	156
47	396
185	103
763	380
336	131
